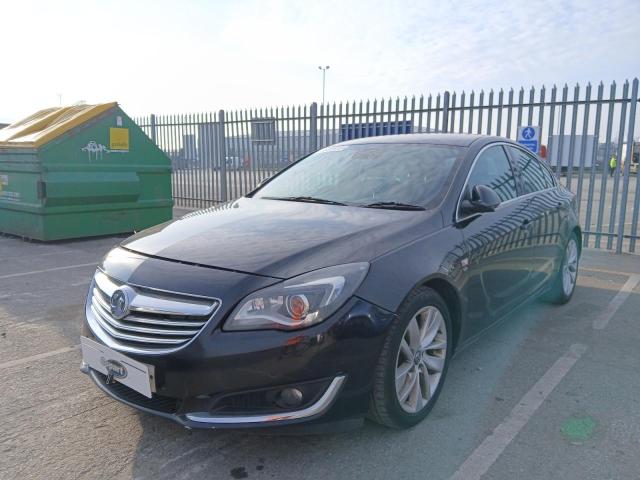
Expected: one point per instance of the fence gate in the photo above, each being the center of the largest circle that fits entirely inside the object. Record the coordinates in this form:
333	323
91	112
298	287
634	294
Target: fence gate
222	156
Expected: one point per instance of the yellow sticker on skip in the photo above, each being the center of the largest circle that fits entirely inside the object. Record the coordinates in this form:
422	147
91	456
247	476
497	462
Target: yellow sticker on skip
118	139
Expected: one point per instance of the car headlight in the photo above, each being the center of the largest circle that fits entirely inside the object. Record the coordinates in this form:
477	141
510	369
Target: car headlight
300	301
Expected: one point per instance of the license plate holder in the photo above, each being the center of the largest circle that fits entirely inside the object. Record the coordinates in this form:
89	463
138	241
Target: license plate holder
136	375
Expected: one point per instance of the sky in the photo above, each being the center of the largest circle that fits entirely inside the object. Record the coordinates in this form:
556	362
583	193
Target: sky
194	56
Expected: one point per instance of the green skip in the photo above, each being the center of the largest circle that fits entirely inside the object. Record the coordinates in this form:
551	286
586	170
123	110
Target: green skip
578	429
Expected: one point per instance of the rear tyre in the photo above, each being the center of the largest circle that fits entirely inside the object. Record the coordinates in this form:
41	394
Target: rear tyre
414	361
564	283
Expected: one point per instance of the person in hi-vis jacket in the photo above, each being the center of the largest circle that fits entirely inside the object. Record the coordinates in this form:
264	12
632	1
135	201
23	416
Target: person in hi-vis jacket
613	163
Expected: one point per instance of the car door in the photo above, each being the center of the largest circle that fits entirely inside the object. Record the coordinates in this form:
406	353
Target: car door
544	209
498	270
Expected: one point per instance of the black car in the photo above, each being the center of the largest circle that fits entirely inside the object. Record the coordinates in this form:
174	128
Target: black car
339	288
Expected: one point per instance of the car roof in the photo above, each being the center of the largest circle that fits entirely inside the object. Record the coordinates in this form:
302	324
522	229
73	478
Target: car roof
453	139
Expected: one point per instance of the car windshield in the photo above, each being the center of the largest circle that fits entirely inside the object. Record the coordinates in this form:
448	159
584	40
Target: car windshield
369	175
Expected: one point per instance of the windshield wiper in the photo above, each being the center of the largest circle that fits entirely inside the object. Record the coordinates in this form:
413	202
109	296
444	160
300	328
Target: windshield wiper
393	206
307	199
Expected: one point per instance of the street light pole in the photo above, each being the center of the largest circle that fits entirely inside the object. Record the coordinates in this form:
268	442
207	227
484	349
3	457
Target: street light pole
324	72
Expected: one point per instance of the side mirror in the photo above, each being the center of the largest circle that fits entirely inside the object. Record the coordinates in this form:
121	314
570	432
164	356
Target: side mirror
483	199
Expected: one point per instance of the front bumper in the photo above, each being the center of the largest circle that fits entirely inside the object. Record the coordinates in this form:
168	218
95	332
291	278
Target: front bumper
337	358
164	407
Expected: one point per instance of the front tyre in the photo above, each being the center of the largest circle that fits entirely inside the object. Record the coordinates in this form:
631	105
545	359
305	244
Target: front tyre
565	282
414	361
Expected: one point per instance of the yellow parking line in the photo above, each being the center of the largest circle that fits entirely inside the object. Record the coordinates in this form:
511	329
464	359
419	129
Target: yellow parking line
610	272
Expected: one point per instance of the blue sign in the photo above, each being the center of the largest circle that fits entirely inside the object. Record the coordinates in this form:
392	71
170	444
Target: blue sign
530	144
529	137
528	133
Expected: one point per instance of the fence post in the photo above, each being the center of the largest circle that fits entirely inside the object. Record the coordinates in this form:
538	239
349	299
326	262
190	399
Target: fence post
222	155
313	127
627	167
445	111
153	128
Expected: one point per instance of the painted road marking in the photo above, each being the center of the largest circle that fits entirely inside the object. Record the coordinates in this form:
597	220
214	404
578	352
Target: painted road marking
54	269
39	356
602	270
483	457
603	319
47	254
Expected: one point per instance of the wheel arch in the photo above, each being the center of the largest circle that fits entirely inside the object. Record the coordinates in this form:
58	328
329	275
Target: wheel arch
578	231
450	295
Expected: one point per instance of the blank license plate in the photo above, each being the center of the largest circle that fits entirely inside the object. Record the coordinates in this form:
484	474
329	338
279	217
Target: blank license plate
135	375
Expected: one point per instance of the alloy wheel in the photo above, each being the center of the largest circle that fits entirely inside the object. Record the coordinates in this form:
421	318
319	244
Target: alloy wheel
570	267
421	359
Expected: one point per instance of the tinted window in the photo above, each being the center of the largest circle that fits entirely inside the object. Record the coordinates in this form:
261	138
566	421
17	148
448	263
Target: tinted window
416	174
535	176
492	168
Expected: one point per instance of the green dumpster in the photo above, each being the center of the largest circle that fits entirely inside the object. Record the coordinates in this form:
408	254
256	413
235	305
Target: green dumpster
81	171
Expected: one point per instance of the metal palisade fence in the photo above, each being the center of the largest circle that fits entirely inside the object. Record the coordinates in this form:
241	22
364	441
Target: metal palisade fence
220	156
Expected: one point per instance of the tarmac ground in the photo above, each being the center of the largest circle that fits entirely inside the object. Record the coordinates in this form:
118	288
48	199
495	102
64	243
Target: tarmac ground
550	392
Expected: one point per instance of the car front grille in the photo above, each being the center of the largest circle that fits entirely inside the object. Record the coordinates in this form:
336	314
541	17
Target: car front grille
156	321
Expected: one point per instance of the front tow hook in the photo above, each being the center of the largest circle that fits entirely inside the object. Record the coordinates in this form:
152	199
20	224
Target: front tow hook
84	367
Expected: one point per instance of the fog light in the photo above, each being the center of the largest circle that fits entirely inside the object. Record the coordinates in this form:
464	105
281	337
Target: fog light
290	397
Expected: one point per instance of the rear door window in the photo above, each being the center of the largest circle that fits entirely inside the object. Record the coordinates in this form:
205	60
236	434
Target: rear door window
534	175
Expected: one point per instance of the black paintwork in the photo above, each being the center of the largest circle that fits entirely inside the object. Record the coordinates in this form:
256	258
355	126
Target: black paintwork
484	266
281	239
